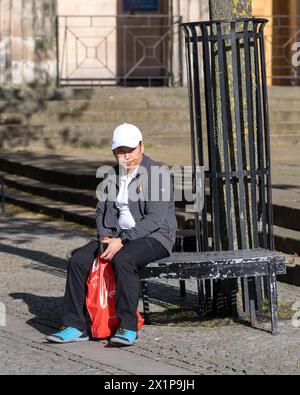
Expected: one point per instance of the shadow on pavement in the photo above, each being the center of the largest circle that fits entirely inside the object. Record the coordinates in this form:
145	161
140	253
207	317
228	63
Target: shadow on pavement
46	262
46	311
26	230
168	295
285	186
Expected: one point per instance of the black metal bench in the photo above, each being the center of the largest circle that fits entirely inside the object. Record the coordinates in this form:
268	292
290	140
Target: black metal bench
220	265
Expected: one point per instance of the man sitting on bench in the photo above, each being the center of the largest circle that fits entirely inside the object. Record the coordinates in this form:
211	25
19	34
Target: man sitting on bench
137	225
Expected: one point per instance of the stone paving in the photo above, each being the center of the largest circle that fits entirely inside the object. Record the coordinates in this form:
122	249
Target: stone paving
32	276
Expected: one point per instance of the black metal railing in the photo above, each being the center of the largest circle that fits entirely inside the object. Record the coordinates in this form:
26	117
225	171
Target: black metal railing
124	49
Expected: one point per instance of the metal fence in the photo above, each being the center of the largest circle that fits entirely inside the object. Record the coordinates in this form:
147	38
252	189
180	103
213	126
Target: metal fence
125	49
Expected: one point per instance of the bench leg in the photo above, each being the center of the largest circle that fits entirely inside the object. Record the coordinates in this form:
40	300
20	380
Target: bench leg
182	288
266	288
231	306
273	303
145	297
259	294
245	292
225	297
218	298
208	298
252	300
201	298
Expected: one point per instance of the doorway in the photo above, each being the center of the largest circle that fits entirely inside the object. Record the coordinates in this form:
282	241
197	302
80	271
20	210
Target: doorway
144	42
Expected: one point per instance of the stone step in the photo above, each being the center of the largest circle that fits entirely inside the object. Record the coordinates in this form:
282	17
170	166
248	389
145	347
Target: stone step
104	128
59	209
287	240
71	137
72	106
78	185
69	195
12	119
139	116
282	110
69	114
91	137
280	120
91	93
65	177
289	139
286	208
281	97
68	208
84	135
101	131
82	93
98	105
285	116
283	105
293	271
72	213
288	92
99	93
288	120
76	100
86	198
287	127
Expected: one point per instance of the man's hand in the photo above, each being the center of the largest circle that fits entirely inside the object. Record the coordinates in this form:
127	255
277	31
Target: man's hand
114	246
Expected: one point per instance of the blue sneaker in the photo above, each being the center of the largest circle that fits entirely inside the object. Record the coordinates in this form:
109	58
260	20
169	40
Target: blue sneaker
124	337
68	335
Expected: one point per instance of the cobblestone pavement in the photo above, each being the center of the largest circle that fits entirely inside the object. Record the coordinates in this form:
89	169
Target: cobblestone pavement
32	276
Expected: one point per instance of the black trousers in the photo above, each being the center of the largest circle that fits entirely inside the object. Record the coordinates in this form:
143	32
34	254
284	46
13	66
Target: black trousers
127	264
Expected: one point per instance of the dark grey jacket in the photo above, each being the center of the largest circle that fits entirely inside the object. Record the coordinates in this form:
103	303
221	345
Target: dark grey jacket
151	205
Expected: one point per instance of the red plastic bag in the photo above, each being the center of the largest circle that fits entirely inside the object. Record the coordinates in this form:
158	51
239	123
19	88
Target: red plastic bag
101	300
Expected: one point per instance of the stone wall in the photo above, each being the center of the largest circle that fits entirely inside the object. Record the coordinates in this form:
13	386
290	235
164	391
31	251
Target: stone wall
28	54
28	36
27	42
192	10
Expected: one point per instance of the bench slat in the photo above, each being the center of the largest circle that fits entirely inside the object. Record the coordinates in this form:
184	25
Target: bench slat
206	271
219	256
215	265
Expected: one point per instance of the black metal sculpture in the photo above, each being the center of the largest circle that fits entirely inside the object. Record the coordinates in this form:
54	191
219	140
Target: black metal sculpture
243	172
236	220
230	56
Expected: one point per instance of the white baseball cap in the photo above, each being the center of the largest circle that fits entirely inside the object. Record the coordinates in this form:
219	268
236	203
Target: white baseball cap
126	135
